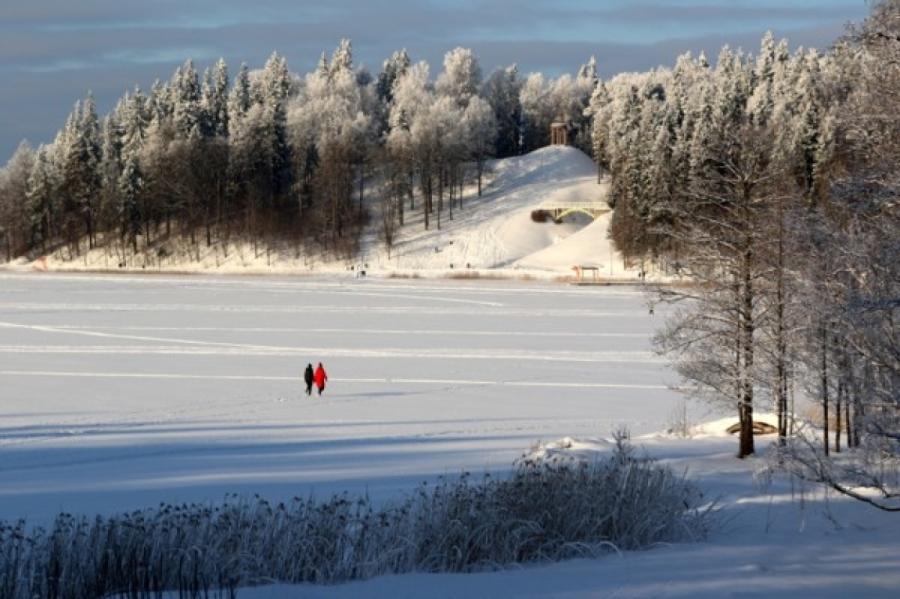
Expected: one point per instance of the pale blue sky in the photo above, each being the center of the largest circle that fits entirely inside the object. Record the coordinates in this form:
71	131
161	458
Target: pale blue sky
53	51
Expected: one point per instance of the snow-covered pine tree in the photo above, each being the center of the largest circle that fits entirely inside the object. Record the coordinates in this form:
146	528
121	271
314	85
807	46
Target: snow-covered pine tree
599	113
275	84
130	183
159	105
391	70
16	230
185	92
342	58
80	173
214	102
583	90
762	101
239	97
91	175
43	183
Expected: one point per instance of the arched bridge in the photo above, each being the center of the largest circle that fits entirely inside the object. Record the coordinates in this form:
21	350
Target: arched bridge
588	197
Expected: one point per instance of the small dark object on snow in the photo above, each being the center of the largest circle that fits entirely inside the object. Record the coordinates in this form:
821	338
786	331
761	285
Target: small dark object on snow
308	376
759	428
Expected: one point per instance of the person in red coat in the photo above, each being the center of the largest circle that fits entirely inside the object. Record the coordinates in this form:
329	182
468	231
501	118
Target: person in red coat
320	377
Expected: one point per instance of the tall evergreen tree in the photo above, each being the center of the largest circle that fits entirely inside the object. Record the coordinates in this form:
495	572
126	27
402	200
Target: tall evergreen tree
187	113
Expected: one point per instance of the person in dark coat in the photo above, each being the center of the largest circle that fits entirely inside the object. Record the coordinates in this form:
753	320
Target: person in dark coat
320	377
308	378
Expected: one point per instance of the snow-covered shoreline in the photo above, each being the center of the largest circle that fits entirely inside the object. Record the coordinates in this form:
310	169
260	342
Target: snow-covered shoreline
492	237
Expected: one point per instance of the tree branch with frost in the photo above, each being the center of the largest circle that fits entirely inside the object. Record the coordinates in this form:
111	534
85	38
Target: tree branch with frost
851	474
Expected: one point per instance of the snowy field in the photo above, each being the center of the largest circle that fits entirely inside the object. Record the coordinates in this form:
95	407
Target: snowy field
119	392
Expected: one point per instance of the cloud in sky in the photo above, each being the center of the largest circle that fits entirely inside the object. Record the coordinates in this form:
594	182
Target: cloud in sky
53	51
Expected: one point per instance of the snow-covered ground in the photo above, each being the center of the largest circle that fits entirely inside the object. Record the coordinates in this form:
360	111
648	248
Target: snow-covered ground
492	235
118	392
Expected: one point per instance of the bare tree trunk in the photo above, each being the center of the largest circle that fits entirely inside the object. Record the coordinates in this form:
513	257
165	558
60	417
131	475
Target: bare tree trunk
451	184
480	172
89	225
362	182
400	208
440	205
837	415
427	201
824	390
781	344
747	330
462	193
850	439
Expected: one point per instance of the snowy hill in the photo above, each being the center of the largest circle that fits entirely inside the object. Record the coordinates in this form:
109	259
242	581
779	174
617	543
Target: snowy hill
496	232
491	235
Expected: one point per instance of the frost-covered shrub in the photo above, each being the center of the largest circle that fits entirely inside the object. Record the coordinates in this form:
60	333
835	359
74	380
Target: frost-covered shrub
543	511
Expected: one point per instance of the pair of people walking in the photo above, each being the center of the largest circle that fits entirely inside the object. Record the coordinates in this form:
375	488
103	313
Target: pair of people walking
319	377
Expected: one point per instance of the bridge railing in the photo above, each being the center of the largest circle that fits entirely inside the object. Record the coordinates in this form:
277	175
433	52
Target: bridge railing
583	205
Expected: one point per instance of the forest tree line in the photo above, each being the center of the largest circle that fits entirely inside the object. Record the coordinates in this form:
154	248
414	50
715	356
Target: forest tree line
269	156
772	182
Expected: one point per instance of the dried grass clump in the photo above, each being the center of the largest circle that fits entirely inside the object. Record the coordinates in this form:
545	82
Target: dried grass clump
542	512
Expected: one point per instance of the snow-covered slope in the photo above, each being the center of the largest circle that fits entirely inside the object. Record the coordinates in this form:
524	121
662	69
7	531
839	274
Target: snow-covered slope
497	232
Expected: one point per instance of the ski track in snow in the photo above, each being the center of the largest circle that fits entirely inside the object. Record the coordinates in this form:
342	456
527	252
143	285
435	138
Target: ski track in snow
213	348
343	380
227	349
318	309
361	331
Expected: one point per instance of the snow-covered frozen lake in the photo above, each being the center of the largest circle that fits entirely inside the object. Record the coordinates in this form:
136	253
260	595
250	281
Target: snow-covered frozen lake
119	392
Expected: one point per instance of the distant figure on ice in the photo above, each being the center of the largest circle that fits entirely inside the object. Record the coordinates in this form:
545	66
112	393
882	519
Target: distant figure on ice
320	377
308	378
